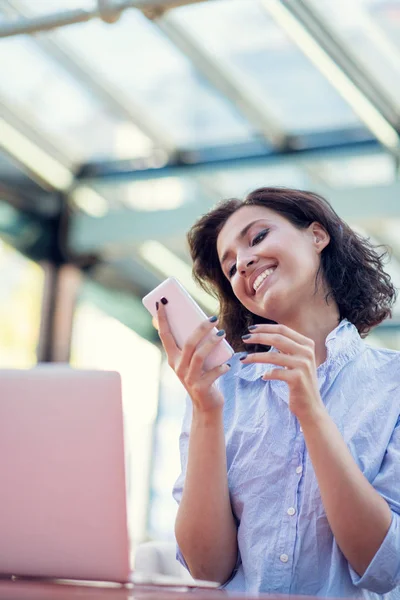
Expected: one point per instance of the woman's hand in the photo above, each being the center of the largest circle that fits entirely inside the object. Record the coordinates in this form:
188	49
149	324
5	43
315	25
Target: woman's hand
188	363
297	356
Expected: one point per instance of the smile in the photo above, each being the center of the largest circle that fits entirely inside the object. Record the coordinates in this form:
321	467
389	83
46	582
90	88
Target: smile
262	277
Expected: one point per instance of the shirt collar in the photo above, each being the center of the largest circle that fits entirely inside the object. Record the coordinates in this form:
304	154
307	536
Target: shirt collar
342	344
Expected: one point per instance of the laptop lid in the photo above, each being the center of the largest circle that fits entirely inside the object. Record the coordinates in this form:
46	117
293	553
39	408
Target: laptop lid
62	473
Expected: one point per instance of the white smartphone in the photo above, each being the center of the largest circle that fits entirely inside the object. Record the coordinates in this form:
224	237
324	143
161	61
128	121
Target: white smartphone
184	315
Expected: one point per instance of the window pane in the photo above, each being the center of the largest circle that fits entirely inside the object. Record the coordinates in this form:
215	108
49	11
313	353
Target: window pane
101	342
59	107
21	288
370	30
138	59
48	7
166	469
356	171
238	183
242	35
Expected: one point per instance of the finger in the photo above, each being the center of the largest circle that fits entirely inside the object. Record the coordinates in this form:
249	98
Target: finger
282	330
195	339
277	340
273	358
200	354
155	323
280	374
210	376
167	339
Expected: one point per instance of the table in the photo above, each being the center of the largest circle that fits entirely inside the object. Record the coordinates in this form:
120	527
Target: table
34	589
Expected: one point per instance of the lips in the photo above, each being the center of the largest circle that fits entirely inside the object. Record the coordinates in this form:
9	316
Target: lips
254	276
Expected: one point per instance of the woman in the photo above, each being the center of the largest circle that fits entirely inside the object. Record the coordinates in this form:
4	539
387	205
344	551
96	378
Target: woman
290	455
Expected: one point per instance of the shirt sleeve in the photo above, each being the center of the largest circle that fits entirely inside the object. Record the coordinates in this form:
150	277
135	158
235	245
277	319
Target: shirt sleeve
178	487
383	572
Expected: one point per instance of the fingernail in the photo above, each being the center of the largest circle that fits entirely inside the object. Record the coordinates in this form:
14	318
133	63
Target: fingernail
164	301
246	337
213	319
157	306
252	327
221	332
228	365
243	357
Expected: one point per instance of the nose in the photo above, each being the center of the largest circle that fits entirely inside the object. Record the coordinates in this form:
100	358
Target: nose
244	263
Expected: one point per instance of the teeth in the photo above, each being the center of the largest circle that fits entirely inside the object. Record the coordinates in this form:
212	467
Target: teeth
261	278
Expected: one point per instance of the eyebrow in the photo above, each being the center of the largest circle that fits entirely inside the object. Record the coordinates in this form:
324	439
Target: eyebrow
241	235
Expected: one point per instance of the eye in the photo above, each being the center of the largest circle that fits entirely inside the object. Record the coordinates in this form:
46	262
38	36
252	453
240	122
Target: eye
232	271
259	237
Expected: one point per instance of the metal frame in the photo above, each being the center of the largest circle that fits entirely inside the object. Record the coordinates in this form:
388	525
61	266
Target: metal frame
357	88
207	163
48	172
347	61
20	197
224	79
125	231
119	106
20	120
107	10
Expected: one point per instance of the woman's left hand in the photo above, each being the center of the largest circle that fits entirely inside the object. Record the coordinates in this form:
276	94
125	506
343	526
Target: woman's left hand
297	356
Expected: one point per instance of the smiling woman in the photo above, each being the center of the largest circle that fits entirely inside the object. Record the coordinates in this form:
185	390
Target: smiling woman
349	271
290	454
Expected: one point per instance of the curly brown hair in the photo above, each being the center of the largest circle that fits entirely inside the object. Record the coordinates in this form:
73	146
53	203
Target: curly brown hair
351	266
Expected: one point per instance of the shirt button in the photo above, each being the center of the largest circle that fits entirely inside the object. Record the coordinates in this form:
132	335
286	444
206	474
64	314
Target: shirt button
291	511
284	558
301	429
299	469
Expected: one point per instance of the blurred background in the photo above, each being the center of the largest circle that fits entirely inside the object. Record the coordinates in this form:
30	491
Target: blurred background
121	122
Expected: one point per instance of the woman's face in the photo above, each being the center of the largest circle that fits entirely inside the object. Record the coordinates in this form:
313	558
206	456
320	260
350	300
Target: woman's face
270	264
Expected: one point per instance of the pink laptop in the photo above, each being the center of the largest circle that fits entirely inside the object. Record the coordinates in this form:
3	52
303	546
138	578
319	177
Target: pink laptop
63	507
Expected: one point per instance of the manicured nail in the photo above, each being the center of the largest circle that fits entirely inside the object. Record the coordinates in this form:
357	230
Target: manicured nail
221	332
157	306
246	337
213	319
228	365
243	357
164	300
252	327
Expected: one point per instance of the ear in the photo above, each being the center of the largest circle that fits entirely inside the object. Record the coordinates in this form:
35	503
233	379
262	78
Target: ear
319	236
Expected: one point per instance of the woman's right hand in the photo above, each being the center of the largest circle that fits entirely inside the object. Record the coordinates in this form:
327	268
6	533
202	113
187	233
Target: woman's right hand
188	363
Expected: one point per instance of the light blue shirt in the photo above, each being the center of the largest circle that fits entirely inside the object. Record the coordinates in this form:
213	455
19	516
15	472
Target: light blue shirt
285	542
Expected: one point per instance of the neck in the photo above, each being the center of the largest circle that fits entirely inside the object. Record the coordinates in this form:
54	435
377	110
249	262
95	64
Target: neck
316	323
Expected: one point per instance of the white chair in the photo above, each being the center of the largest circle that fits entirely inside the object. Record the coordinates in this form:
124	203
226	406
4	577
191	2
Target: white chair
158	558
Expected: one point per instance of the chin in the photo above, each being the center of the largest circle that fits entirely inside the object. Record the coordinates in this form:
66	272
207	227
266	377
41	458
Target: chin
273	309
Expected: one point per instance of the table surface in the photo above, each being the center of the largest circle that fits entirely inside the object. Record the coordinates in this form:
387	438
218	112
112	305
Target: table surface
34	589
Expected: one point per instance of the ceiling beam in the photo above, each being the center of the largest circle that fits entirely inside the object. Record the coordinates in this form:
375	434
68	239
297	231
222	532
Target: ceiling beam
216	160
40	165
119	229
107	10
120	106
318	42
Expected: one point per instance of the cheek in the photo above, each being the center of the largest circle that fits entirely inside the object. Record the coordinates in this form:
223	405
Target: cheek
237	286
239	289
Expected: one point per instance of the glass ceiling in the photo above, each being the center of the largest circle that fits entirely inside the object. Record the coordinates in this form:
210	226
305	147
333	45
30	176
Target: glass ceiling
140	63
61	108
370	31
243	37
137	59
46	7
214	82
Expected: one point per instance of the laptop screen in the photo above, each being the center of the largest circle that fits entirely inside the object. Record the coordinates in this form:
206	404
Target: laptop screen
62	470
